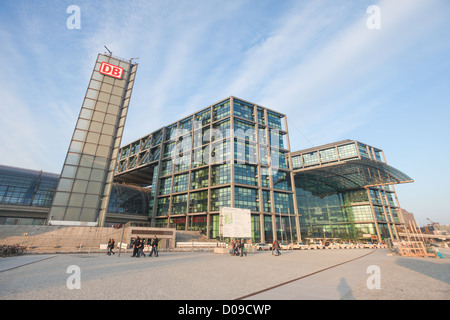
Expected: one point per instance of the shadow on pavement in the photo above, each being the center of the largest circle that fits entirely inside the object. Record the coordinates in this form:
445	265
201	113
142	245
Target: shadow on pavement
438	271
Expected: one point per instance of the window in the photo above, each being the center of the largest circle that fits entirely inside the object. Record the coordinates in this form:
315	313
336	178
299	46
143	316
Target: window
166	167
221	110
328	155
246	198
185	126
163	206
203	118
311	158
200	157
245	174
221	130
182	162
297	162
279	159
261	117
171	132
243	109
198	201
348	150
265	178
277	139
244	130
361	213
180	183
281	180
201	137
363	150
179	204
244	152
184	144
220	151
165	185
266	201
220	197
274	120
220	174
169	149
199	178
283	203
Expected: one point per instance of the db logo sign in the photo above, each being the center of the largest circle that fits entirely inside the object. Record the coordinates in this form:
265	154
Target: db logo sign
111	70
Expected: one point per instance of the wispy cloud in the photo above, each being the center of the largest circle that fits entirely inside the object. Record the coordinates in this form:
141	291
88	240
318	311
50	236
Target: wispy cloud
316	61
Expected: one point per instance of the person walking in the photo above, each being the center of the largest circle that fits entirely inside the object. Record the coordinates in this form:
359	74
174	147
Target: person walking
236	248
154	245
232	251
111	246
141	248
108	248
276	247
242	248
136	244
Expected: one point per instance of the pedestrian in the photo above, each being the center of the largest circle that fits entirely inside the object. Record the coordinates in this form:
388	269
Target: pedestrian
276	247
137	243
108	248
111	246
141	248
154	245
236	248
242	248
232	251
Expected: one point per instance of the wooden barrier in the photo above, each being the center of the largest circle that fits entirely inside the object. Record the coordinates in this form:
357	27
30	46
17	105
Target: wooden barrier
414	249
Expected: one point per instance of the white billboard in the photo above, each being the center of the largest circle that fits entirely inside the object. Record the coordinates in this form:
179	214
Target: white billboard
235	223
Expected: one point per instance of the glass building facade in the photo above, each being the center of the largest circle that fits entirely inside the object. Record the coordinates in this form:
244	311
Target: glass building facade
86	178
31	191
26	197
231	154
344	190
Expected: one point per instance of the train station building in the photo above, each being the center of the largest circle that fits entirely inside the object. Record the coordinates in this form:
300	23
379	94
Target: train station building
232	153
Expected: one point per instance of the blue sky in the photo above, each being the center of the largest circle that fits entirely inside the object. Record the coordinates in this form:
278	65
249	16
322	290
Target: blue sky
316	61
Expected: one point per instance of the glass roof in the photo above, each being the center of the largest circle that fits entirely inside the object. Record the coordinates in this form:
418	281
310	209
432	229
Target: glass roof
348	175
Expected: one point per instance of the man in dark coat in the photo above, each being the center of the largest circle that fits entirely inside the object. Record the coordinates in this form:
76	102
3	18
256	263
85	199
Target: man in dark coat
137	244
154	245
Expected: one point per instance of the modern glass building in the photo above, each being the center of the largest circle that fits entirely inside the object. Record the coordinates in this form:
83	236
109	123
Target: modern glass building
231	154
82	194
26	197
345	190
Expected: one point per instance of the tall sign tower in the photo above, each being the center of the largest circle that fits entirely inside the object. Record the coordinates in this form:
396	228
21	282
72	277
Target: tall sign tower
82	194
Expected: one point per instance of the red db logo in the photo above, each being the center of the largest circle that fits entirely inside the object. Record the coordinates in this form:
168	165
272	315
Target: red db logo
111	70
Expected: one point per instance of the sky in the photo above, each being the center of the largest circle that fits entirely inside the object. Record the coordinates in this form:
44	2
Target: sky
373	71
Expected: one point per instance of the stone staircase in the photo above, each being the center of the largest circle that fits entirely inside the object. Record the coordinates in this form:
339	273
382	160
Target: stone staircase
54	239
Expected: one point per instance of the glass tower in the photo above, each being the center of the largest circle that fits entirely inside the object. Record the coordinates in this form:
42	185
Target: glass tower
84	187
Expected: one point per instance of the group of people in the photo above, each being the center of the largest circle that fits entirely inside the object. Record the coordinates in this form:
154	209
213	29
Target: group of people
238	248
139	245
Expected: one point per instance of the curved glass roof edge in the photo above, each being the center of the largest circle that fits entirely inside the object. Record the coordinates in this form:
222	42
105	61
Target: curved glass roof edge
348	175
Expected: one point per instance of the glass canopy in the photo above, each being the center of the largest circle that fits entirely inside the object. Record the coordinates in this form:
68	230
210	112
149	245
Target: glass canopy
348	175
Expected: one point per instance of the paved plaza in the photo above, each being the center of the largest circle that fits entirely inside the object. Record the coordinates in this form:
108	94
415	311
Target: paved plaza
345	274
